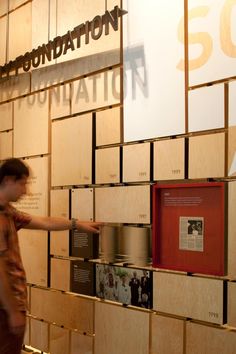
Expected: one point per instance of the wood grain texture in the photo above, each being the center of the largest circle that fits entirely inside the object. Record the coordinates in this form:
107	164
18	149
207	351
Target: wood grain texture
3	38
231	304
14	86
60	274
72	151
202	299
64	309
3	7
6	148
163	328
82	202
131	334
27	332
108	126
169	159
81	344
39	335
210	340
232	151
58	340
123	204
107	167
31	121
136	162
6	113
231	229
206	156
60	101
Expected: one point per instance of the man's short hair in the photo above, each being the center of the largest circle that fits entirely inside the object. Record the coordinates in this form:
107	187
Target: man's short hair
14	168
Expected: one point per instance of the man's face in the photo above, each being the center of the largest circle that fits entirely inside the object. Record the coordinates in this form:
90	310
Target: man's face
15	188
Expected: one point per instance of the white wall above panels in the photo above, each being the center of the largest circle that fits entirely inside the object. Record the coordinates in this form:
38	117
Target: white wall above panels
20	27
212	33
206	108
31	122
232	103
6	116
3	39
153	85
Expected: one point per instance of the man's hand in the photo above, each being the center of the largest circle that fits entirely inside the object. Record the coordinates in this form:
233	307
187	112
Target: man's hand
88	226
17	322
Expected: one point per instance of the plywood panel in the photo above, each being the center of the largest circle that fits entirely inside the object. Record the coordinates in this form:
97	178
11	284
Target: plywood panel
3	38
231	229
3	7
123	204
60	101
13	4
45	77
59	340
6	145
96	91
70	311
39	331
108	126
232	104
59	240
129	324
34	252
36	200
6	113
27	332
81	344
31	122
210	340
52	19
72	151
211	44
163	328
232	151
152	54
40	23
202	299
59	267
82	200
107	168
231	304
206	156
169	159
14	86
79	12
136	162
20	30
206	108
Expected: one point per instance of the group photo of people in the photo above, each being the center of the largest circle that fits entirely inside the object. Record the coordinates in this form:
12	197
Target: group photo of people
128	286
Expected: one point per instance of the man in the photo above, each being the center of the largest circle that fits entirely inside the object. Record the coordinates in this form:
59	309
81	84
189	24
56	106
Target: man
13	297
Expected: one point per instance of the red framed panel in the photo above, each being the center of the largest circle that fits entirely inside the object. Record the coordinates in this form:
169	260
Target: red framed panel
189	227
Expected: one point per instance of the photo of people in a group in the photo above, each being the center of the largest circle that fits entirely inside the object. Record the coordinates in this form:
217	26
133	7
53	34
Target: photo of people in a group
129	286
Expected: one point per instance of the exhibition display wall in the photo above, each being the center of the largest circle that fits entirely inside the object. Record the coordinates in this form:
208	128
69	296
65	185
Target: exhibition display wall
125	113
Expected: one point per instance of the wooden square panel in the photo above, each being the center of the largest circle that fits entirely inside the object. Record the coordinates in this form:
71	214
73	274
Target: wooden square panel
60	101
64	309
206	108
31	121
210	340
6	112
136	162
231	229
14	86
96	91
59	240
34	252
39	334
27	332
72	151
3	38
81	344
108	126
59	267
40	23
3	7
206	156
123	204
13	4
163	328
232	151
232	105
129	324
107	168
203	298
58	340
231	306
6	145
169	159
82	203
20	29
